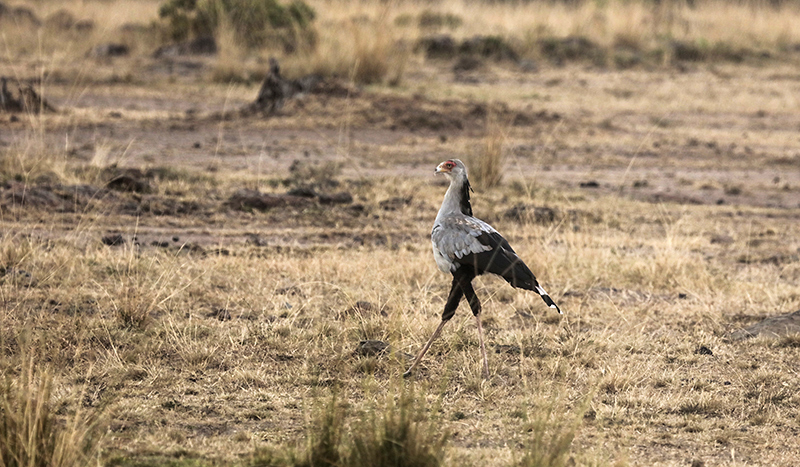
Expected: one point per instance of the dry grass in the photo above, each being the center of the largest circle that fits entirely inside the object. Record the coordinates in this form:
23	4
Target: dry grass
236	342
487	164
181	382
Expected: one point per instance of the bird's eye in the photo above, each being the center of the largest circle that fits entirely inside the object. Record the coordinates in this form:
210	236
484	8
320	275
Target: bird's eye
450	165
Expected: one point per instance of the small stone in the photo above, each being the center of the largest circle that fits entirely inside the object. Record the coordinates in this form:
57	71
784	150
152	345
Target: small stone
703	350
113	240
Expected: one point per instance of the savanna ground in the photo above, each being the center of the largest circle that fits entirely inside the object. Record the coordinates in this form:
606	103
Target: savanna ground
657	200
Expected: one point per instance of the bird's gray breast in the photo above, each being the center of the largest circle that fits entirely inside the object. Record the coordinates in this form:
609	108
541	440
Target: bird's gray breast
455	237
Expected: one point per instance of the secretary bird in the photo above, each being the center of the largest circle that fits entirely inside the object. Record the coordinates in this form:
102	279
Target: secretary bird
468	247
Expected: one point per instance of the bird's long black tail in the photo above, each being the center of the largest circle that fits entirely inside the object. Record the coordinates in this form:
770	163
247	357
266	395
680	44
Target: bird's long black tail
519	275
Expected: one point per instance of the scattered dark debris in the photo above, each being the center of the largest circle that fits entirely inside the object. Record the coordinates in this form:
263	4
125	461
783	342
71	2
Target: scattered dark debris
703	350
494	47
19	276
19	194
342	197
589	184
676	198
535	214
113	240
507	349
27	101
304	191
246	199
722	239
256	240
109	50
396	203
160	243
176	239
275	90
682	296
443	46
560	50
365	308
774	326
290	290
221	314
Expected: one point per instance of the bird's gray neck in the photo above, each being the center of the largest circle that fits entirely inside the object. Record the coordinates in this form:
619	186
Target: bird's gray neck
456	199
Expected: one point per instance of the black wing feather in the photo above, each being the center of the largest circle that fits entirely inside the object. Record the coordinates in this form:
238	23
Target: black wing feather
500	260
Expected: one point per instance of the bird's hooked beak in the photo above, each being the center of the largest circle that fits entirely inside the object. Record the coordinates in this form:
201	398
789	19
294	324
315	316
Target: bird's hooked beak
441	169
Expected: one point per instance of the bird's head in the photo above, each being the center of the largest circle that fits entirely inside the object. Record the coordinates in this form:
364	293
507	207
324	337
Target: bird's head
452	168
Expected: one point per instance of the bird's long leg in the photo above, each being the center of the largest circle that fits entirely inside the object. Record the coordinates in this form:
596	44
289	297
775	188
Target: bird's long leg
424	349
465	281
449	310
483	349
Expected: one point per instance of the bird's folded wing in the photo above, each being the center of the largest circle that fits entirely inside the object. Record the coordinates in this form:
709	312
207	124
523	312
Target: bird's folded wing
456	237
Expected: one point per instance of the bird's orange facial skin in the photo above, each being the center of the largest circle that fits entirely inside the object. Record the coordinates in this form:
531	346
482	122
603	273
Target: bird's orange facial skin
445	166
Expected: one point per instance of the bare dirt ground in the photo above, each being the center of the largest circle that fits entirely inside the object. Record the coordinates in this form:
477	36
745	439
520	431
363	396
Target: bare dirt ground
674	193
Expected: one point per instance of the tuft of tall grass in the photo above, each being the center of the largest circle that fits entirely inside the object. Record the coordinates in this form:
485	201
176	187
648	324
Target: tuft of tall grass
400	438
551	436
486	163
32	434
398	435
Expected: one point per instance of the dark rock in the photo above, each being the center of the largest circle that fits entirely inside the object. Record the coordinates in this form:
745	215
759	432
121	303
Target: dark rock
159	244
703	350
109	50
113	240
589	184
342	197
245	199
